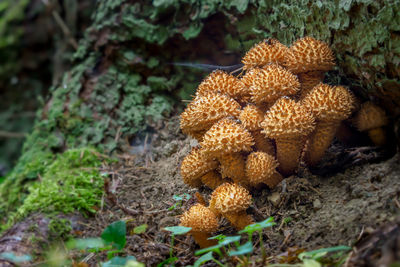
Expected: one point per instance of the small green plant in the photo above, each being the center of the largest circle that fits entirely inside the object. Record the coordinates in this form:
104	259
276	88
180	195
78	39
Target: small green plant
175	230
179	200
230	246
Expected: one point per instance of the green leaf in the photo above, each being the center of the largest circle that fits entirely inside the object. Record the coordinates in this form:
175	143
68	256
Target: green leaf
311	263
178	230
140	229
118	261
115	234
243	249
85	243
215	249
184	196
219	237
203	259
10	256
192	31
167	261
319	253
258	226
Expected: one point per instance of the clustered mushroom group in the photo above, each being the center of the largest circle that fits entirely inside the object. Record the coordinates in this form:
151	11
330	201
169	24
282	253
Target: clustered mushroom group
256	128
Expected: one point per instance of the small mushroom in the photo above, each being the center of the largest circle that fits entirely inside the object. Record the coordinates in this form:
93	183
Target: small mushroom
221	82
372	118
195	165
330	105
261	168
265	52
203	222
231	201
251	118
288	123
206	110
309	59
225	137
271	83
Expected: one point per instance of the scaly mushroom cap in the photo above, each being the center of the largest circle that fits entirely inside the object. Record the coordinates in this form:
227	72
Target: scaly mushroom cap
267	51
225	137
307	54
251	117
272	83
288	119
228	198
329	103
232	166
250	75
370	116
205	110
200	218
195	165
221	82
260	167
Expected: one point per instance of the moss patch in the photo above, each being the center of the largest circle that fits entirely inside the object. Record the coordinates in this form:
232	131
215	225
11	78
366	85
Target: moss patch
72	182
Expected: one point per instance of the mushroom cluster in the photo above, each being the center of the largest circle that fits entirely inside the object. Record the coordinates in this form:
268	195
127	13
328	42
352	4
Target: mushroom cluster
254	129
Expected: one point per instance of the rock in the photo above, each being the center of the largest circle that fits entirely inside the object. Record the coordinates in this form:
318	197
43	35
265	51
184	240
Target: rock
275	198
317	204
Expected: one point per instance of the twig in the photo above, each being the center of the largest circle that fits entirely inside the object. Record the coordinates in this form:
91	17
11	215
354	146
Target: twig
5	134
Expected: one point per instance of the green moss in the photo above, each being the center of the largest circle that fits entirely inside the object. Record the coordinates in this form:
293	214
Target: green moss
59	228
72	182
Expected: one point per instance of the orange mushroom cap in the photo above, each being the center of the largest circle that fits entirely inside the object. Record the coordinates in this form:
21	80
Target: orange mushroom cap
251	117
309	54
195	165
221	82
205	110
272	83
226	136
261	168
288	119
330	103
370	116
267	51
229	198
200	219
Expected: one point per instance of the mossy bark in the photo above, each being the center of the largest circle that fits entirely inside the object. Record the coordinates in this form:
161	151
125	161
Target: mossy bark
123	79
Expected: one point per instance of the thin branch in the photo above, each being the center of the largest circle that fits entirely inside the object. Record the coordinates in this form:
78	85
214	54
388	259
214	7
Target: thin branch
5	134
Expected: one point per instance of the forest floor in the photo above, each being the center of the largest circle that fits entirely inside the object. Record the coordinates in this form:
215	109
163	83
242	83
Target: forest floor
357	207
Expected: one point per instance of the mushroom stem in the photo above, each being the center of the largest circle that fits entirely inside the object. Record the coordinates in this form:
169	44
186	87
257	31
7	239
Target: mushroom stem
288	152
201	239
377	136
239	219
308	80
212	179
274	180
262	143
233	166
320	140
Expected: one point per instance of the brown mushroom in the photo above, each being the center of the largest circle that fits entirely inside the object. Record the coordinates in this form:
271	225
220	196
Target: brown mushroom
203	222
288	123
261	168
330	105
233	166
212	179
265	52
231	201
372	118
195	165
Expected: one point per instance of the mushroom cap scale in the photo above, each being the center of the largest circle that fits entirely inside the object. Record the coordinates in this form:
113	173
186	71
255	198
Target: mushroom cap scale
228	198
195	165
251	117
370	116
273	82
330	103
207	109
226	136
267	51
200	218
221	82
308	54
287	119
